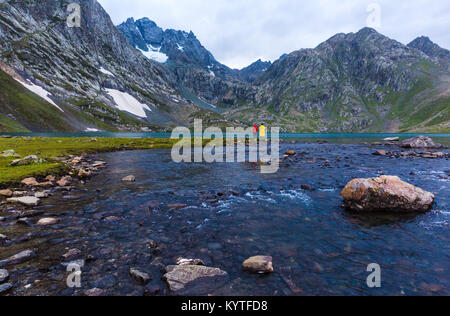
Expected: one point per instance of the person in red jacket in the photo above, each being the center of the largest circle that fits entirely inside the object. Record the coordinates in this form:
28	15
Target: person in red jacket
255	130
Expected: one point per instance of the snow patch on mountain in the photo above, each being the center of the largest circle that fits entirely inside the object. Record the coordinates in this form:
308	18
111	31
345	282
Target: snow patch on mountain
155	54
44	94
106	72
128	103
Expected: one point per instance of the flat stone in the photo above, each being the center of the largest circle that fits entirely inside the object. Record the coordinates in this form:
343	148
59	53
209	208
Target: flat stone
65	181
4	275
129	179
19	258
48	221
258	264
25	200
5	288
380	153
41	195
6	193
50	178
141	277
199	279
30	182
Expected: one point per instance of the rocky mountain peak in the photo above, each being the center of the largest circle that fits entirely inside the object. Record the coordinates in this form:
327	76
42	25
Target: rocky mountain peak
428	47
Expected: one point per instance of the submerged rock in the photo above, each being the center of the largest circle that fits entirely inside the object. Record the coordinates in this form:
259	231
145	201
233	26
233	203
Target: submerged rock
197	278
19	258
130	178
386	193
5	288
3	240
48	221
141	277
420	142
258	264
26	200
4	275
95	292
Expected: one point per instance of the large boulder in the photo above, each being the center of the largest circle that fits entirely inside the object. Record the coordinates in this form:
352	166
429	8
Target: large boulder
420	142
386	193
193	279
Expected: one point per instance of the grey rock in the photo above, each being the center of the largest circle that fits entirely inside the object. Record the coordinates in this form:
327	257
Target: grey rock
4	275
258	264
422	142
5	288
129	179
182	279
141	277
26	161
19	258
26	200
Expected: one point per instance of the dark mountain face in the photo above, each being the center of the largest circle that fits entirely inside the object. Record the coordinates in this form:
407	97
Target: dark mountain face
194	67
425	45
78	65
78	78
254	71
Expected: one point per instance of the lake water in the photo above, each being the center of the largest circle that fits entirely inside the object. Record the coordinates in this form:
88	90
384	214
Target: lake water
234	212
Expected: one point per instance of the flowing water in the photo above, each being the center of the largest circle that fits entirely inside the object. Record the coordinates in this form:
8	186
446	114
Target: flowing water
234	212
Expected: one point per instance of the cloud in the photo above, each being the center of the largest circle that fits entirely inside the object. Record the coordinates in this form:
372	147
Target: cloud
239	32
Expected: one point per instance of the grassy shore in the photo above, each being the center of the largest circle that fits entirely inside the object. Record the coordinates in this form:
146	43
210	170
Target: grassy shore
51	148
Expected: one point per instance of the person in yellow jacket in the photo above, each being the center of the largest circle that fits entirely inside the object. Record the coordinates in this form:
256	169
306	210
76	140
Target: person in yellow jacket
262	131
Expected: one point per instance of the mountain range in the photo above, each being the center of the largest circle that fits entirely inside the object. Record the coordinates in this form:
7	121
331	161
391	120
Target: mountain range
139	77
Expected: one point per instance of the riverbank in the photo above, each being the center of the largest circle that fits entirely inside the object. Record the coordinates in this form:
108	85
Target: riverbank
53	152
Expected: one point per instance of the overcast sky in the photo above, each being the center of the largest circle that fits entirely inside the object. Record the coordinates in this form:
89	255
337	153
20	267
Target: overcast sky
238	32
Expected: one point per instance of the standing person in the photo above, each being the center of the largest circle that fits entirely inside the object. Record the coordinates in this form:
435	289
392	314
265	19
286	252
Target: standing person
255	130
262	131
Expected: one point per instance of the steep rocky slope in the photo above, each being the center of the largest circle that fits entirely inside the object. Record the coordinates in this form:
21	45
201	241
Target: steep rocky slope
193	66
90	71
353	82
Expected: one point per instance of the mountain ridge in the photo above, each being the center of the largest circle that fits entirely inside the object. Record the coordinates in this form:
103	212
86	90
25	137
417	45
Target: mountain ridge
353	82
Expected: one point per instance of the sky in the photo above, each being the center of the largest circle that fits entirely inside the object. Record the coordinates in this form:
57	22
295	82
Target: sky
239	32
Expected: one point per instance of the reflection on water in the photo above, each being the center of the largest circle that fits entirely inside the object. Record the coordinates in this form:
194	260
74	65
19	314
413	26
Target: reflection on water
234	212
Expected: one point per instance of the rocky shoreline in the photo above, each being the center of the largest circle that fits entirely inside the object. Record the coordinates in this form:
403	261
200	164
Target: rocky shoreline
19	202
